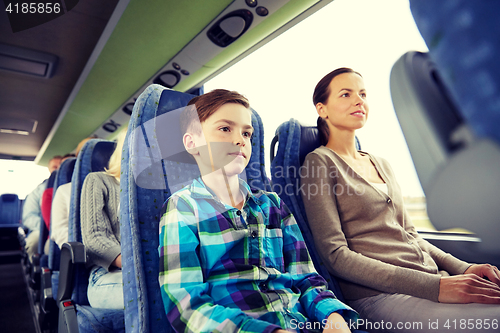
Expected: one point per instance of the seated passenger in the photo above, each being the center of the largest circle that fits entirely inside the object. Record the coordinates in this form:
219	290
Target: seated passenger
60	206
32	211
364	234
46	206
231	258
99	212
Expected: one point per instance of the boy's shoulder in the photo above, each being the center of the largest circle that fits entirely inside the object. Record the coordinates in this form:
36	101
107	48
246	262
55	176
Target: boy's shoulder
185	193
263	197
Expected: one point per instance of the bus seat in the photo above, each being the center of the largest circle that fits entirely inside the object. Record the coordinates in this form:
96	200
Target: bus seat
295	141
10	213
75	313
457	166
40	259
49	280
153	166
39	280
46	203
45	207
462	37
64	175
9	210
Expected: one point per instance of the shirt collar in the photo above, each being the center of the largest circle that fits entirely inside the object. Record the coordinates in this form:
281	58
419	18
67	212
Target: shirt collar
200	191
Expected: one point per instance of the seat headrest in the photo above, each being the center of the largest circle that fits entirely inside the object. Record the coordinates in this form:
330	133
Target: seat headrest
65	171
52	179
157	147
309	140
101	154
9	197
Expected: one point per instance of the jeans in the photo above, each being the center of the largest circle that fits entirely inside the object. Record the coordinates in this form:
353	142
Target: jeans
105	289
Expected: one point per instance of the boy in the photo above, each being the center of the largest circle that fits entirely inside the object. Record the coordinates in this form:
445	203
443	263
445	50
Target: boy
233	259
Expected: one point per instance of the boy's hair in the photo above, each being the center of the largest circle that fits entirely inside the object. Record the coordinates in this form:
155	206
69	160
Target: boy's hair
201	107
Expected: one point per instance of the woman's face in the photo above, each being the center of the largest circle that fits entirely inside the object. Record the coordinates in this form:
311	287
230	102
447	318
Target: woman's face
346	107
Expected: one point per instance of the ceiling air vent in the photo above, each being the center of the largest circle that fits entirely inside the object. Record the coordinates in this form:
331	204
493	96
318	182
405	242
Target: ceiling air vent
25	61
230	27
17	126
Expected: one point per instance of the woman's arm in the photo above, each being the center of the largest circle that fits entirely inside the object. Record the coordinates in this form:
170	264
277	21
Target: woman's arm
98	236
468	283
332	245
445	261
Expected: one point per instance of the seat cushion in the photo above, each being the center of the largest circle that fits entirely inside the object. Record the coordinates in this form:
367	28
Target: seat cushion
92	320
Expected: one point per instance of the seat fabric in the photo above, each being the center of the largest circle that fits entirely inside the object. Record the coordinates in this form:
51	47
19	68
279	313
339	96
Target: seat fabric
154	165
93	157
64	174
462	37
9	210
294	143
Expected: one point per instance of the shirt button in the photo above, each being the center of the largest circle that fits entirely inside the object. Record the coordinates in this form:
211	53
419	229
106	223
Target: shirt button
410	242
424	264
263	286
238	213
389	201
254	234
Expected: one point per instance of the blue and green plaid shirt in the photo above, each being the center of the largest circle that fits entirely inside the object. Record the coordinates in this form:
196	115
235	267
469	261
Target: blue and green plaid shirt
226	270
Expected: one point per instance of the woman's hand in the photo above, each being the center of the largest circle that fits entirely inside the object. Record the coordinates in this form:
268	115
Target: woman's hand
469	288
485	271
337	324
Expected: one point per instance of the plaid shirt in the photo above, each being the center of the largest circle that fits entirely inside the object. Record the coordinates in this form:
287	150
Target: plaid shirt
225	270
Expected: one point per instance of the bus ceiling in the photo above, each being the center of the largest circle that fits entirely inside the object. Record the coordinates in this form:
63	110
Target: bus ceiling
108	53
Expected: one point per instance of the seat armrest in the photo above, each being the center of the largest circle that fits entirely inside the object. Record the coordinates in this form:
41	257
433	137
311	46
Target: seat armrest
466	247
72	253
35	272
47	316
46	286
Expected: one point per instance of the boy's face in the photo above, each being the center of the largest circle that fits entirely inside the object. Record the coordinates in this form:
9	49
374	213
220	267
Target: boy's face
225	140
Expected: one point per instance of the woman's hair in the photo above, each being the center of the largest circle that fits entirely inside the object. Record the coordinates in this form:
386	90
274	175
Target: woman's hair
321	94
81	144
115	161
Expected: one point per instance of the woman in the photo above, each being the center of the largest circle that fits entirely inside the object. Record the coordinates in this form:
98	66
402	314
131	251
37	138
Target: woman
386	271
101	233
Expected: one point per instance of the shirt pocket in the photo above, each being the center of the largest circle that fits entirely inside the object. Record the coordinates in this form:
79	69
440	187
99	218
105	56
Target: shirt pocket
273	247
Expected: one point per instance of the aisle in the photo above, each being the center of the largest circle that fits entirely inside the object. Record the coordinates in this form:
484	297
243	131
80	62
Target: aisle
15	309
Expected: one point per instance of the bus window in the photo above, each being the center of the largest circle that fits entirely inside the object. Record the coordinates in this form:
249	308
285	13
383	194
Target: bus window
280	86
21	177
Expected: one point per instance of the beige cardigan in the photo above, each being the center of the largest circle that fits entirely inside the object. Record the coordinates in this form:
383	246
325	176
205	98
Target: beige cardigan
366	237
